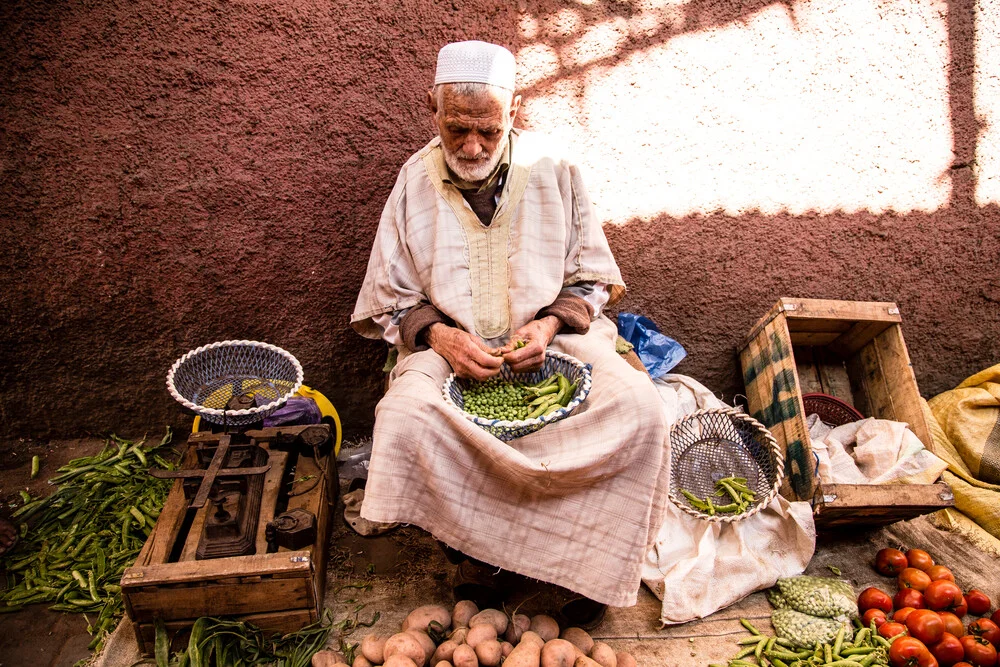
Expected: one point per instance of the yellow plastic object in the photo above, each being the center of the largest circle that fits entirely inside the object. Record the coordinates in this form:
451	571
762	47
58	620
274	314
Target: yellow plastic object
325	408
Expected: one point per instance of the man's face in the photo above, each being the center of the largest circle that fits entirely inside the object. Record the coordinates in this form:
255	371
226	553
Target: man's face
473	129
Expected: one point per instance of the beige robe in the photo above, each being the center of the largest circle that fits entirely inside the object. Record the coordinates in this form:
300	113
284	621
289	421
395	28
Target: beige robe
577	503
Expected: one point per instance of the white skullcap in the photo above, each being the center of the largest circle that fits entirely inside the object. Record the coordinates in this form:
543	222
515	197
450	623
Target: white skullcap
475	62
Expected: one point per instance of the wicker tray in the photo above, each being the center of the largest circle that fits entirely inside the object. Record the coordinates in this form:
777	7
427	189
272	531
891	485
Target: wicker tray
831	410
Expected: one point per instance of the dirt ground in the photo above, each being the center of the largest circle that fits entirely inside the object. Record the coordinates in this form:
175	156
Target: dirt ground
391	574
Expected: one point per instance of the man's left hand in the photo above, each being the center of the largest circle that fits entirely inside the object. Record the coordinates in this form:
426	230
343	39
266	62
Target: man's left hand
536	335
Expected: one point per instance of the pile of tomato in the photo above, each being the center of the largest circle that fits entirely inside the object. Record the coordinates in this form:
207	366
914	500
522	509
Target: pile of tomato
927	622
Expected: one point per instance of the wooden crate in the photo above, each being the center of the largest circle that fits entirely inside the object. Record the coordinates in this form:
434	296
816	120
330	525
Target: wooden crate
280	591
854	351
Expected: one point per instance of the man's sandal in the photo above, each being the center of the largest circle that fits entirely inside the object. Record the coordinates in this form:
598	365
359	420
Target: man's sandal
582	612
479	583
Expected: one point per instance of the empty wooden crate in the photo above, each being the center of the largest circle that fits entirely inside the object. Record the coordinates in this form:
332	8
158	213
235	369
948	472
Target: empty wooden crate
855	352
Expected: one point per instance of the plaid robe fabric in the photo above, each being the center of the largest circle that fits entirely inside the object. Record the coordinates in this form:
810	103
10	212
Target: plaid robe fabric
577	503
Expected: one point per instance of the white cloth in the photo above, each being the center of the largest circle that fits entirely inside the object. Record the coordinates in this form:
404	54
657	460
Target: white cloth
475	62
575	504
872	451
697	567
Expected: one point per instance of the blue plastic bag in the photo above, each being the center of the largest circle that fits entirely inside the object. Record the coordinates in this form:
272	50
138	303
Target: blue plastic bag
658	353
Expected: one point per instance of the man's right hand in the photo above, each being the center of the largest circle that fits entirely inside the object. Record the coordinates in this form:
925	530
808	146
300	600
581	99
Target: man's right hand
469	356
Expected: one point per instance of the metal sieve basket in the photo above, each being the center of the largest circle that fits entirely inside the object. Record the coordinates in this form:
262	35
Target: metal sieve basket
709	445
235	382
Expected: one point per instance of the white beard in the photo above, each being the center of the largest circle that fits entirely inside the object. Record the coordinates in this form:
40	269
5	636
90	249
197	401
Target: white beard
478	170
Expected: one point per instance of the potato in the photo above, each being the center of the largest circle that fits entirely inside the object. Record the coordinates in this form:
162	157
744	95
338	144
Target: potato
407	644
493	617
444	651
546	627
489	653
625	659
558	653
465	656
373	648
584	661
327	659
399	660
518	624
506	648
361	661
480	633
463	611
458	635
425	641
579	638
531	637
443	663
603	655
525	654
421	618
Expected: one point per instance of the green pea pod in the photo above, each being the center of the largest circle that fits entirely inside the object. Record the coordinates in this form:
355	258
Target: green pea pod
569	395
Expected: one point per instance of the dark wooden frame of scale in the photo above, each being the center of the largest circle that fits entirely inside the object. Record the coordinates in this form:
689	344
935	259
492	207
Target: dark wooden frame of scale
278	590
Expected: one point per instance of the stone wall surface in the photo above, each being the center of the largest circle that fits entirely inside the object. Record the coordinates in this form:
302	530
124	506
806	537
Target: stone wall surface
177	173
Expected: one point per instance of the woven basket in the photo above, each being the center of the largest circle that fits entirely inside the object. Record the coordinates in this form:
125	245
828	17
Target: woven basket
709	445
574	370
831	410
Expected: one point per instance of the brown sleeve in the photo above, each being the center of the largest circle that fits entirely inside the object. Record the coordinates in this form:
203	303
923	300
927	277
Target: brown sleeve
574	313
414	325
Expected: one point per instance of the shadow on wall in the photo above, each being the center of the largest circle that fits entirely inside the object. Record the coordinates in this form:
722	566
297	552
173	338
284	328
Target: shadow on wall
179	174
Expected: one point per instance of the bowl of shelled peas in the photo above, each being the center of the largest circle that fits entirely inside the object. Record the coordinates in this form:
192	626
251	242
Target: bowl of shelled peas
511	405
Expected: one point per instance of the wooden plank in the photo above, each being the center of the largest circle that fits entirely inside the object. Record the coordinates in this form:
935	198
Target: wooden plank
833	376
858	336
161	540
901	382
758	378
219	568
813	338
220	599
799	325
880	398
829	309
194	534
807	368
269	499
281	621
877	504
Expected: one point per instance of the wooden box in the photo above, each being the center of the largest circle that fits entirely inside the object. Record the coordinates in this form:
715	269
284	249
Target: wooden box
854	351
280	591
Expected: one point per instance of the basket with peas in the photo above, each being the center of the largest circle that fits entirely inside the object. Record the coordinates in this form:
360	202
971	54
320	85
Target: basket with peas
512	405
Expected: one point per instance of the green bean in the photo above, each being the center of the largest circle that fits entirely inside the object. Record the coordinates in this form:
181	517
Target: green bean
748	640
749	626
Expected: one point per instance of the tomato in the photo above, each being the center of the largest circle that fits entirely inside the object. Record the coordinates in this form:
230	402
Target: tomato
900	614
978	651
910	652
948	650
987	629
925	625
909	597
890	562
873	598
952	623
979	602
911	577
891	629
996	617
919	559
961	664
962	609
942	594
878	616
940	572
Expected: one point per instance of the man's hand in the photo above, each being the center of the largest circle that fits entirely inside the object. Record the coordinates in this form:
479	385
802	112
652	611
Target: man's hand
536	335
469	356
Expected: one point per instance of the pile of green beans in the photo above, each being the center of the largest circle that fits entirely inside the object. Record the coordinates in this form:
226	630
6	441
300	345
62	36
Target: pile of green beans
498	398
222	643
734	493
867	649
76	543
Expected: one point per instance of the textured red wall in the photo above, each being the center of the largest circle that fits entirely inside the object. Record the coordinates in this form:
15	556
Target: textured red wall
176	173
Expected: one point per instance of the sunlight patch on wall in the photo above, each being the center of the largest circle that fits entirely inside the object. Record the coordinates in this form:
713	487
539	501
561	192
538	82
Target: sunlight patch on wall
825	106
987	102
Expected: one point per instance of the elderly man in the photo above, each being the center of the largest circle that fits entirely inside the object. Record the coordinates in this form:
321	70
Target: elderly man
488	238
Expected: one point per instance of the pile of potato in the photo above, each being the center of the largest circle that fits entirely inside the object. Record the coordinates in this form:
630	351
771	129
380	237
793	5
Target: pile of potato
472	638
